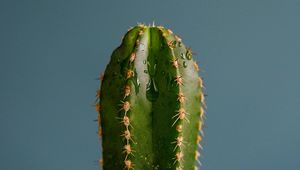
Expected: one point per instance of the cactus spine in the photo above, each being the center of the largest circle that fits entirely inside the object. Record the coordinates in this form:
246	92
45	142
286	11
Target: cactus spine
151	103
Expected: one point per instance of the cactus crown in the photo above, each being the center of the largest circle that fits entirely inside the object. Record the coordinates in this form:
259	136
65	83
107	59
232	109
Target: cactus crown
151	103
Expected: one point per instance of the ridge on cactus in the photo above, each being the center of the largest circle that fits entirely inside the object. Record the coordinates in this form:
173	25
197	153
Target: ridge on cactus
151	104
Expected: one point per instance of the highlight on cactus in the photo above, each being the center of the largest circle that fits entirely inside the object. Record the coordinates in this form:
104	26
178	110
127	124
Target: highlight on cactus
150	104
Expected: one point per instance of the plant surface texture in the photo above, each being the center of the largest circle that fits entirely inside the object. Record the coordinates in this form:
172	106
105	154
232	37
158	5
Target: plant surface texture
150	104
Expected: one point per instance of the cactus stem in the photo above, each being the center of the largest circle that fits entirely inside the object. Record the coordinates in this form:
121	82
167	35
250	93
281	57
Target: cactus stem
150	70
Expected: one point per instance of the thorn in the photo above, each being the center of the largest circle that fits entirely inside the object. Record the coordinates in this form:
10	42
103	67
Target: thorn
98	92
130	28
180	97
200	146
98	107
160	27
200	125
127	135
127	91
178	157
141	25
180	115
127	150
99	120
170	31
198	161
179	80
126	121
178	38
202	132
202	98
199	139
175	63
99	132
196	66
179	142
201	113
100	77
132	57
100	162
125	106
200	82
129	74
128	164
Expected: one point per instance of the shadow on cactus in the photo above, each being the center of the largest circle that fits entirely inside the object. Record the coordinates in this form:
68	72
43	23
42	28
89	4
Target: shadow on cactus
151	104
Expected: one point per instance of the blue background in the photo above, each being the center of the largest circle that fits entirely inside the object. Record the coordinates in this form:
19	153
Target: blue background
52	51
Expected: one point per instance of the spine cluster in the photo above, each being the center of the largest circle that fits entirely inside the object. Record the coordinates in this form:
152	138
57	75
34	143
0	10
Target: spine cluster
126	106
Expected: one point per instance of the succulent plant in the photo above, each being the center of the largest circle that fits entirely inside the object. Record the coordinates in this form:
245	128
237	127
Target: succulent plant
150	103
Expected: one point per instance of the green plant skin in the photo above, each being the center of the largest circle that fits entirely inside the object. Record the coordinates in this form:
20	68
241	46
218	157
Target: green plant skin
153	81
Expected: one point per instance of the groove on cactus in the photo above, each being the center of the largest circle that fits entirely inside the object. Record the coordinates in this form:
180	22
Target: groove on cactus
151	102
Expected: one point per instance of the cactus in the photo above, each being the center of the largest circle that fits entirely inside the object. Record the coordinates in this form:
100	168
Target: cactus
150	103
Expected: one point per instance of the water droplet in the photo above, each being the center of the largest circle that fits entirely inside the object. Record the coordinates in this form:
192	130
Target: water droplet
144	61
138	82
189	54
163	72
182	55
184	64
115	73
118	61
151	90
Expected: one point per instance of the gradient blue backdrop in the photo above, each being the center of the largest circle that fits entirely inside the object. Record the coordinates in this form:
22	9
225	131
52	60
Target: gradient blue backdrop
52	51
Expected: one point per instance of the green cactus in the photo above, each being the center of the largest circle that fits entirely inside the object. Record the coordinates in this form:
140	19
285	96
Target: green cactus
151	103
